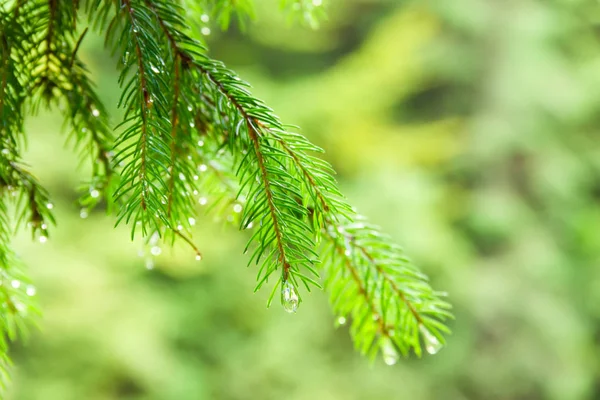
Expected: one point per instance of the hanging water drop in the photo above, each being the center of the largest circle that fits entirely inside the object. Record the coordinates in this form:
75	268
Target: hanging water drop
317	3
198	257
83	214
250	225
179	227
155	250
202	201
16	284
154	69
432	343
195	192
192	124
202	168
190	108
205	31
200	143
94	193
49	206
204	18
181	176
95	112
341	320
389	352
237	208
149	263
192	221
30	291
43	239
196	177
5	152
289	297
44	226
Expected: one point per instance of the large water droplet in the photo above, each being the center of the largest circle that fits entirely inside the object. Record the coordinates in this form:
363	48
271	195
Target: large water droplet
200	143
44	226
50	206
432	343
198	257
389	352
341	320
95	112
289	297
205	31
43	239
16	284
202	167
237	208
94	193
204	18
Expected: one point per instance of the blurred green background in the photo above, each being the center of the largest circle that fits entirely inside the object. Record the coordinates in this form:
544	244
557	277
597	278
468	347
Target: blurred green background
468	129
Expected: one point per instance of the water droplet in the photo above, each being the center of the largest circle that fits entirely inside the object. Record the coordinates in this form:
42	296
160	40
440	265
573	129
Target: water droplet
30	291
237	208
200	143
44	226
341	320
94	193
43	239
190	108
182	176
205	31
202	201
192	124
155	250
198	257
250	225
154	69
16	284
347	252
204	18
135	29
50	206
317	3
202	168
289	297
196	177
179	227
149	263
5	151
192	221
390	355
432	344
95	112
195	192
83	213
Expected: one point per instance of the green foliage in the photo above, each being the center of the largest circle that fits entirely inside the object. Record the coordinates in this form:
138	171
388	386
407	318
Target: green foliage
191	129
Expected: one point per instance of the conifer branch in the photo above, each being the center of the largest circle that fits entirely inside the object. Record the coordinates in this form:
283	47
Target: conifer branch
192	130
